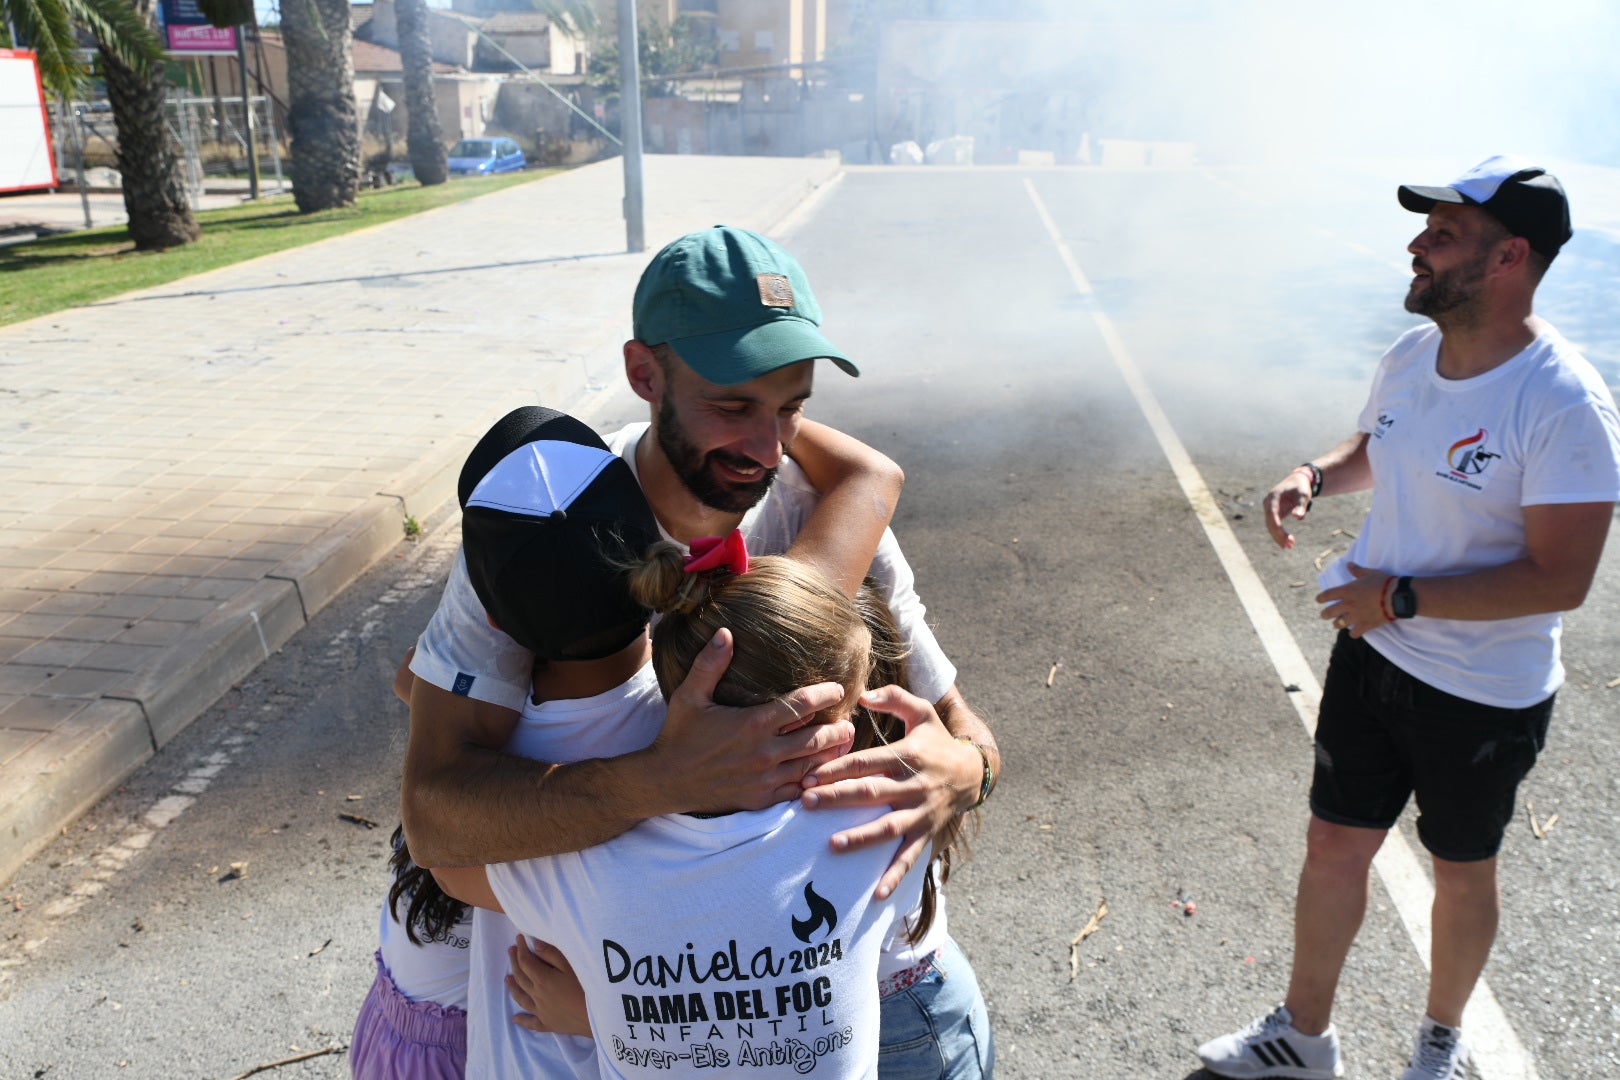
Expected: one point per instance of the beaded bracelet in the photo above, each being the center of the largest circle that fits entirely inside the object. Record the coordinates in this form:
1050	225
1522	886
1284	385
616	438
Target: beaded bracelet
989	779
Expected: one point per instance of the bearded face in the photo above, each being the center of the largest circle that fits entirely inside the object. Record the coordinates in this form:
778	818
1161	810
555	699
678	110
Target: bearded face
1449	292
719	479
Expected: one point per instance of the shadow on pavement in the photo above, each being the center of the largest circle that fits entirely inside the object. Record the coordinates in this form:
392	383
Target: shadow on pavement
359	278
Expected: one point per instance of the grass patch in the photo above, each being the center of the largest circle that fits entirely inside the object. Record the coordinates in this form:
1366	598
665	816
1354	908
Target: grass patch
42	276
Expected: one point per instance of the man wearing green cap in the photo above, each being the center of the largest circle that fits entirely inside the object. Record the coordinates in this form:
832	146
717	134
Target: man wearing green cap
727	332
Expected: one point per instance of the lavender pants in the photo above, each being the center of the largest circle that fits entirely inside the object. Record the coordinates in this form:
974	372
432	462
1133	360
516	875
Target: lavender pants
412	1040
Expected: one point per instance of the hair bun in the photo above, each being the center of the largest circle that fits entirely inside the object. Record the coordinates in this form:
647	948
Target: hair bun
660	581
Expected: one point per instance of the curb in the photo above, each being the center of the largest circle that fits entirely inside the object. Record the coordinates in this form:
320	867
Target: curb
91	754
73	768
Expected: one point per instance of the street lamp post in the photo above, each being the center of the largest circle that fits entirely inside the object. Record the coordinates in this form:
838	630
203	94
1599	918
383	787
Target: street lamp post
630	126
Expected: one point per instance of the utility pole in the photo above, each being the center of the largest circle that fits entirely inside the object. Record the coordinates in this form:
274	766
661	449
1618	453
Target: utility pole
630	126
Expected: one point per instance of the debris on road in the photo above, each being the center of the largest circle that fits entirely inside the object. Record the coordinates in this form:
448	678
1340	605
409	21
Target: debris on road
1050	675
319	948
1085	931
1538	828
1319	558
237	872
289	1061
1612	683
358	820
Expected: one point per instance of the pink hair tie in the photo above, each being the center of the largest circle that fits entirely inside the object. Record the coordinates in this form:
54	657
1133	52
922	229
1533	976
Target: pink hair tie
728	554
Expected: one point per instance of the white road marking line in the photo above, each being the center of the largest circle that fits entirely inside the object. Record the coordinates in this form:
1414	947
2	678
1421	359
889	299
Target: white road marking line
426	563
163	812
1497	1052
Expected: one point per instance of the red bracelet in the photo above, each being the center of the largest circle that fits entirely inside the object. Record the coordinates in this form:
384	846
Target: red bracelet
1383	598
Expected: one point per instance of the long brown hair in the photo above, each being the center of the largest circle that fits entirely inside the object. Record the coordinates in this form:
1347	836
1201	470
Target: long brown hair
790	627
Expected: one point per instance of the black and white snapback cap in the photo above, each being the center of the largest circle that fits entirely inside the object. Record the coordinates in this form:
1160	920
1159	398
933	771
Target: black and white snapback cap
549	518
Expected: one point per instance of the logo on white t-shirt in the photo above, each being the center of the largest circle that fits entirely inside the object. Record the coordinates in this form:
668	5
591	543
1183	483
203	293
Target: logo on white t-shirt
822	913
1468	458
1385	422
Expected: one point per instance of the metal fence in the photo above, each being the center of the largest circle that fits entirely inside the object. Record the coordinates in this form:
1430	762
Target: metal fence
223	140
220	141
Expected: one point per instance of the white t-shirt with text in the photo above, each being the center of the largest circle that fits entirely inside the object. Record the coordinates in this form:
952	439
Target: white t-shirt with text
737	944
1454	463
434	971
624	719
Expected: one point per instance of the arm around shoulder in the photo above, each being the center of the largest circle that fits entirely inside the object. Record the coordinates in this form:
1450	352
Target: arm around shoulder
465	802
859	487
469	884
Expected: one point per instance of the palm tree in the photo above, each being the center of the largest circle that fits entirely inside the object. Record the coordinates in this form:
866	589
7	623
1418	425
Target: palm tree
322	115
148	159
424	140
50	29
154	195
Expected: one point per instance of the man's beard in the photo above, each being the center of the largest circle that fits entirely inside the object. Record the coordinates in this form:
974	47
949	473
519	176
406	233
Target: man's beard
1452	296
695	472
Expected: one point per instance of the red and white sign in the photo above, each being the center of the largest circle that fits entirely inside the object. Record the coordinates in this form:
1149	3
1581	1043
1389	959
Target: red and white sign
26	161
186	30
211	39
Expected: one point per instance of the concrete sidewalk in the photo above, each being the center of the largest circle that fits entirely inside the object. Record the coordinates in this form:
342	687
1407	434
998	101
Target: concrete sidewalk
187	474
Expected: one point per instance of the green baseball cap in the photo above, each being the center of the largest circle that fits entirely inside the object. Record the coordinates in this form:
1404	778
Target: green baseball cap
733	304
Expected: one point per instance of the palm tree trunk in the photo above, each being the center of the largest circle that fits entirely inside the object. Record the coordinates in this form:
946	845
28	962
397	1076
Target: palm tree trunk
424	140
321	116
154	193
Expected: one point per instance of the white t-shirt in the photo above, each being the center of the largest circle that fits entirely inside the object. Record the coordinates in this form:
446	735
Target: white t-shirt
460	652
737	943
1454	461
620	721
433	971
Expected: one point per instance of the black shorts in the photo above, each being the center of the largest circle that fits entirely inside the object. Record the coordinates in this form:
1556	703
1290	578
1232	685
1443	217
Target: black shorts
1383	736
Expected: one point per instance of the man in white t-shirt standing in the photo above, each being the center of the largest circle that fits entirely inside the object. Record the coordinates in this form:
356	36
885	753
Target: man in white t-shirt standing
1492	449
727	335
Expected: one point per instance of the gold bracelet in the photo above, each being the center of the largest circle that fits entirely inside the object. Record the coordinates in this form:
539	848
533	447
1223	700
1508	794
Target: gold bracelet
989	780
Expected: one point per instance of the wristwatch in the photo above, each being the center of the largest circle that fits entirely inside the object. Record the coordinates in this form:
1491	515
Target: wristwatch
1403	601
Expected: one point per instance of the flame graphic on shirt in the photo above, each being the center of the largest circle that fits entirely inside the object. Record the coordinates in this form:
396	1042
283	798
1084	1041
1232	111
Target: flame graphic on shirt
821	912
1461	445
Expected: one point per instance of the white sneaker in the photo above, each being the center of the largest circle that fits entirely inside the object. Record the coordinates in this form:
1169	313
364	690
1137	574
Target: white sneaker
1272	1047
1440	1053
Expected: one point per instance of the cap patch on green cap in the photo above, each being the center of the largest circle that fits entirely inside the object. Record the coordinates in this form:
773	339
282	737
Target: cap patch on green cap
775	290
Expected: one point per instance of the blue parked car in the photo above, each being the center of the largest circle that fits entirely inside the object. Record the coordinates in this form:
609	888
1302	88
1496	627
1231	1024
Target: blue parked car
481	157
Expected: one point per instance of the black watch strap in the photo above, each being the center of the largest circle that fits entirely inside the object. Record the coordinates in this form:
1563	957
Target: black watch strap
1403	601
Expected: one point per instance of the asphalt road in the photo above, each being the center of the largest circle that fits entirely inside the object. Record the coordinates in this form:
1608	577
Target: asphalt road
1162	761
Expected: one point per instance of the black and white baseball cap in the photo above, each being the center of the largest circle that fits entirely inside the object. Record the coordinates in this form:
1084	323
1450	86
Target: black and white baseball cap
549	518
1524	197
